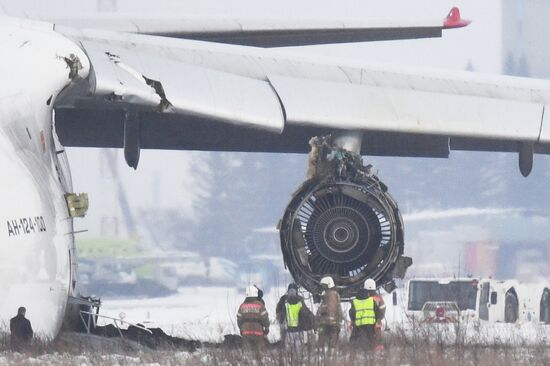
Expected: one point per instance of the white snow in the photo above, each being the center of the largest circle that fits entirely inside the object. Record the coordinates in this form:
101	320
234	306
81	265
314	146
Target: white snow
203	313
207	313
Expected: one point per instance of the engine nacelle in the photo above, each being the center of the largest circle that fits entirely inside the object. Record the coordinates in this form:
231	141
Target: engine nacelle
343	222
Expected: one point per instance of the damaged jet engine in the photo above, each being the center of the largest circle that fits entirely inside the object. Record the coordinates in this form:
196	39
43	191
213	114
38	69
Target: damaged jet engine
342	222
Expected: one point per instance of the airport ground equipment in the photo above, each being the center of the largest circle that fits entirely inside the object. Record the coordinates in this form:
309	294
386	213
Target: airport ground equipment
490	300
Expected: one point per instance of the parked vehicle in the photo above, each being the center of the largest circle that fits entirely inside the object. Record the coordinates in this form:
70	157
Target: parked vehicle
458	299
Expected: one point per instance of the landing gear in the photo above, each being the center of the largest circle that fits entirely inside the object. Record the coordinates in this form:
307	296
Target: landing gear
511	308
342	222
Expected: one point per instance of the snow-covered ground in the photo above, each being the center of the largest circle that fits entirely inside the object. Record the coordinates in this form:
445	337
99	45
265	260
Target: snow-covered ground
56	359
207	313
203	313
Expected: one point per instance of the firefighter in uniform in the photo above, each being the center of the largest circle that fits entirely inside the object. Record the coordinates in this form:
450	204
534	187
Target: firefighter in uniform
366	313
329	315
253	320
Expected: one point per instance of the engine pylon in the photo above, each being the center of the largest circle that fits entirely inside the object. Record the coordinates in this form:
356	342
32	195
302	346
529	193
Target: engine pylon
342	222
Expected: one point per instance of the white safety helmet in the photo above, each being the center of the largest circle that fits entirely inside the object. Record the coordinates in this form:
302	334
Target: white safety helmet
370	284
251	291
327	281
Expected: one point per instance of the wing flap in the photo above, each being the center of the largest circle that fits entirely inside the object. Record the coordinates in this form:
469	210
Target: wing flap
545	128
142	81
371	108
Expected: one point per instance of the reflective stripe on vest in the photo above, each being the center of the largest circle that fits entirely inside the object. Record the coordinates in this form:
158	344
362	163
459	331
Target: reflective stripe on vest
252	332
293	314
364	312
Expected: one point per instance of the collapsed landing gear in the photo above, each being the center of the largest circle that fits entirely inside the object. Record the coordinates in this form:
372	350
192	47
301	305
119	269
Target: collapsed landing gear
342	222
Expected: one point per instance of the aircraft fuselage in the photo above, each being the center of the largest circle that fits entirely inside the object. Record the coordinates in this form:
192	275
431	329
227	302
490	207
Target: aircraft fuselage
36	235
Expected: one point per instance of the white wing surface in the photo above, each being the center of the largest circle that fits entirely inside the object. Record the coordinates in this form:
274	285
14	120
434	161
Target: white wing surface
411	109
167	86
206	96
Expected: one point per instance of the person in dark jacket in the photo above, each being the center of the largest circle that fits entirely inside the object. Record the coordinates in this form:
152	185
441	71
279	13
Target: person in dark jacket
253	320
279	310
280	313
20	329
366	314
294	317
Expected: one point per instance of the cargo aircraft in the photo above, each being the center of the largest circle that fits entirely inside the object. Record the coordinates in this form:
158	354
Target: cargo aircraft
222	86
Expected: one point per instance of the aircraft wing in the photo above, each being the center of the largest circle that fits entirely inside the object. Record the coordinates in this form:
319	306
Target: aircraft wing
159	93
272	32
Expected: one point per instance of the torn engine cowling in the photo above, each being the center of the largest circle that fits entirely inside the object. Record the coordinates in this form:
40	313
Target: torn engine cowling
342	222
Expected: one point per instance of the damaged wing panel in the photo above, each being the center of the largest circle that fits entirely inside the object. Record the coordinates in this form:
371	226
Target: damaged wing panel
144	81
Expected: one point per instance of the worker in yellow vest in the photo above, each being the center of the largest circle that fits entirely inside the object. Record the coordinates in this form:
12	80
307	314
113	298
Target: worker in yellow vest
298	319
366	313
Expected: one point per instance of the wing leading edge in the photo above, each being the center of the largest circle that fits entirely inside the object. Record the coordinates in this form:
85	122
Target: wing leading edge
275	33
303	33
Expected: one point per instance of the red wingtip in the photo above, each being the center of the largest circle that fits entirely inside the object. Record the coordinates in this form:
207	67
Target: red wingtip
454	20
